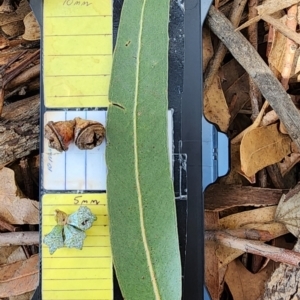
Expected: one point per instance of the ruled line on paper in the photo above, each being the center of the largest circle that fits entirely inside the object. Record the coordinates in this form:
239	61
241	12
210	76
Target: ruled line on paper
78	16
77	299
89	55
77	75
70	96
77	34
91	268
88	256
79	290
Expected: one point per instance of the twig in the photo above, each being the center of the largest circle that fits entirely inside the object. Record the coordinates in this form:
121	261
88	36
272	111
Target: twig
276	24
254	93
282	28
20	67
248	23
24	77
289	54
252	234
255	247
215	62
269	86
271	37
268	8
25	250
269	118
19	90
12	60
8	226
271	6
19	238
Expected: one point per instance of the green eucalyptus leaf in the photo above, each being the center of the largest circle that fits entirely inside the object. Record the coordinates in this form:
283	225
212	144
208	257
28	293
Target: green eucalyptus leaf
69	230
54	239
83	218
141	203
73	237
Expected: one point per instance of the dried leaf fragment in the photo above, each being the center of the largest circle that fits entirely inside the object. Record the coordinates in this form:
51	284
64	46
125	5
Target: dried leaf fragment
288	163
19	277
215	105
245	285
288	211
32	28
14	208
208	50
261	147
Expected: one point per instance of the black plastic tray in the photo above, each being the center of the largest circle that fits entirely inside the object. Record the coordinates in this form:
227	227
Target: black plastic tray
196	142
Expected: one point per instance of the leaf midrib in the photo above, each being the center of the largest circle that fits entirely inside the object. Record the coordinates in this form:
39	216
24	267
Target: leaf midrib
136	169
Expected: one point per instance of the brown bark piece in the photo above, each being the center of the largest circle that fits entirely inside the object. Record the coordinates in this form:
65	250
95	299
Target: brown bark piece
19	130
220	196
269	86
284	282
275	175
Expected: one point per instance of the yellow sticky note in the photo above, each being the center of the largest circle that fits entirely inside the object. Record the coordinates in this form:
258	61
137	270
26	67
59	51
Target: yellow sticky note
71	273
77	53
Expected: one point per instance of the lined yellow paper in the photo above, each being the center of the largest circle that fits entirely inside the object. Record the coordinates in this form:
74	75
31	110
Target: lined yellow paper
77	53
71	273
